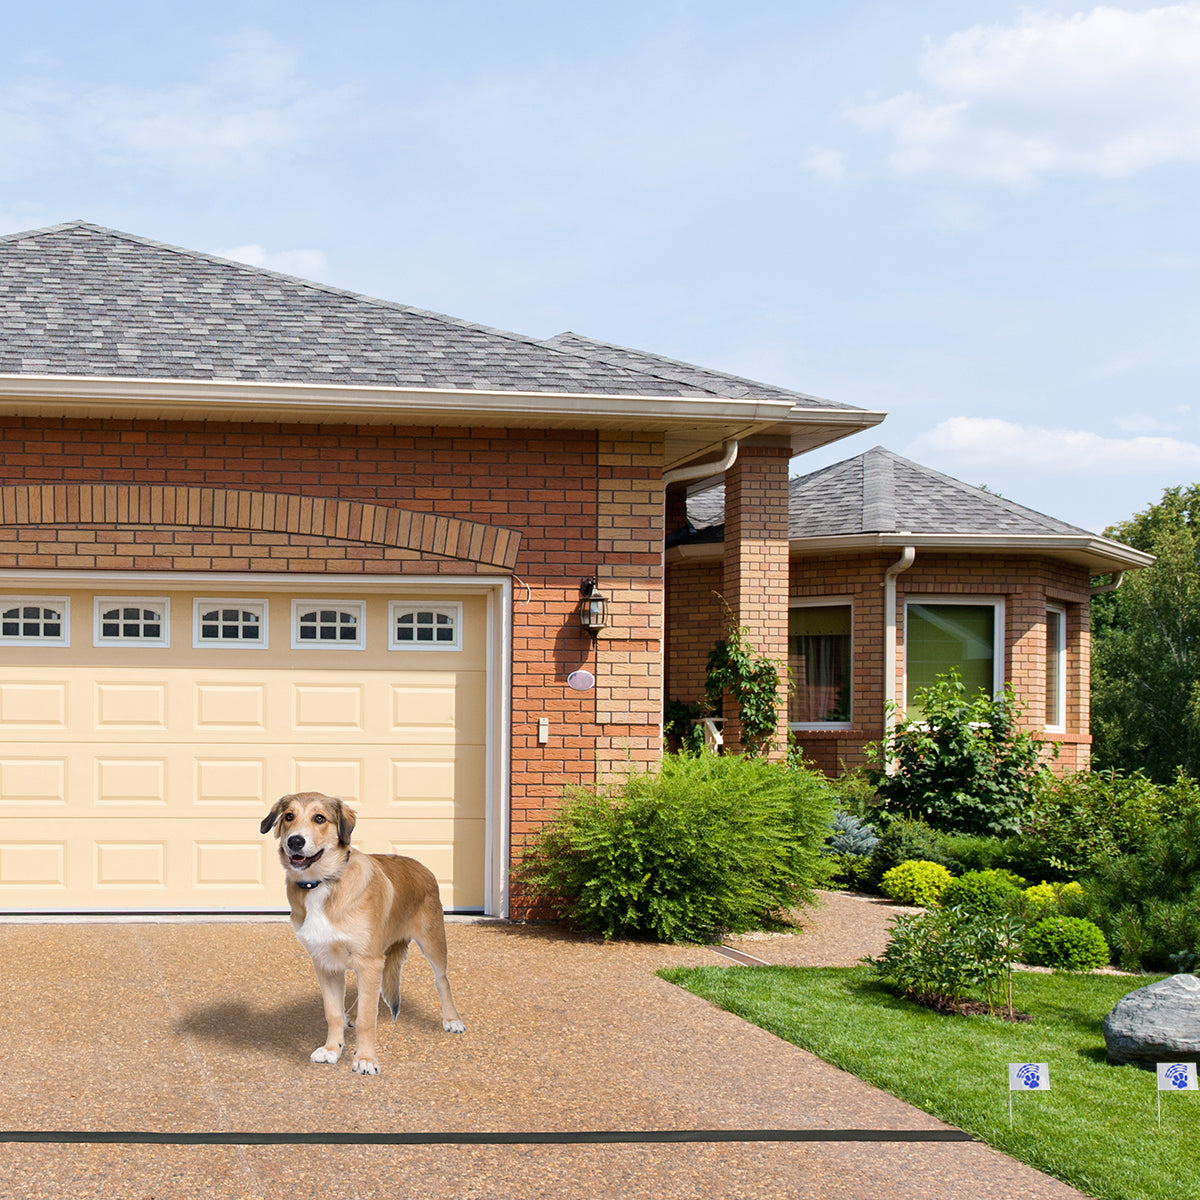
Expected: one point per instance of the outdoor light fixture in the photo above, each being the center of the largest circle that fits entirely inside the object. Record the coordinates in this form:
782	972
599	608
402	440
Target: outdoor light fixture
593	607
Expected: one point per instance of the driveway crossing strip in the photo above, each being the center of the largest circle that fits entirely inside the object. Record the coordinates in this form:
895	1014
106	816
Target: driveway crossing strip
585	1137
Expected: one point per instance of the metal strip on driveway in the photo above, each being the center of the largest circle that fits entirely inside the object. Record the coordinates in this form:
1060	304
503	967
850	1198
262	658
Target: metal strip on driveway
498	1138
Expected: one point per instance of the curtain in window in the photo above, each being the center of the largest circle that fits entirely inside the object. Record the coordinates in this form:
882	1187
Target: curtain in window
820	664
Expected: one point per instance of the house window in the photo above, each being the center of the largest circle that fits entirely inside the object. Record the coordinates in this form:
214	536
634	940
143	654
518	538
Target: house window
819	662
425	626
132	621
229	623
1056	669
328	624
32	621
945	635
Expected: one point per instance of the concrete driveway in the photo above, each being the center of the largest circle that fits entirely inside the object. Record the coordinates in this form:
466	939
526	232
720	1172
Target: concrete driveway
184	1031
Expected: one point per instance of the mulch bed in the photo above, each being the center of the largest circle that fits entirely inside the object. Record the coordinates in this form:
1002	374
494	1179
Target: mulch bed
969	1008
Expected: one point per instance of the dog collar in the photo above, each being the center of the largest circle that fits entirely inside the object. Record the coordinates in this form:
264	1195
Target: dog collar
308	885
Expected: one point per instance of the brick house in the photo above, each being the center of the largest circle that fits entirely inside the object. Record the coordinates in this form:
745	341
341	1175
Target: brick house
897	574
260	535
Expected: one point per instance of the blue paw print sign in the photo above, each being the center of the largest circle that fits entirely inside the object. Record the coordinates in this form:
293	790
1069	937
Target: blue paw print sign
1028	1077
1177	1077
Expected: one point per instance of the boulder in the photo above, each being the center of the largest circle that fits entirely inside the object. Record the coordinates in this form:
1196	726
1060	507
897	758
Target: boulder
1157	1023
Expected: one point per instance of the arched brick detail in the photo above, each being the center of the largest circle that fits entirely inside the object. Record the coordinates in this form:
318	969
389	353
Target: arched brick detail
272	512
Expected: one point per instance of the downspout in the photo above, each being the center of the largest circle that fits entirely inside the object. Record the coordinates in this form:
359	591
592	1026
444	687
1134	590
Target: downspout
901	564
1116	581
700	470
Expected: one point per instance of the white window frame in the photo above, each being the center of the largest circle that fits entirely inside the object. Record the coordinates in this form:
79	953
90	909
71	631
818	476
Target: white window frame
999	648
200	604
160	603
399	608
61	602
827	602
1059	653
358	607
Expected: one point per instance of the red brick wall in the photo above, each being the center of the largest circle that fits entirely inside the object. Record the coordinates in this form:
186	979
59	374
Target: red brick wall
1026	584
580	508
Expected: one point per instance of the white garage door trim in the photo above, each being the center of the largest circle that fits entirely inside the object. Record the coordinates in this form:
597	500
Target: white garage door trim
497	590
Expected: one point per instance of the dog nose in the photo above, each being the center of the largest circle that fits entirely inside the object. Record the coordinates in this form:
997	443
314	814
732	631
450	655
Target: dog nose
295	842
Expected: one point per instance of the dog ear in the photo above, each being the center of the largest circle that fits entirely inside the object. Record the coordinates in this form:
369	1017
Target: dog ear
346	820
268	822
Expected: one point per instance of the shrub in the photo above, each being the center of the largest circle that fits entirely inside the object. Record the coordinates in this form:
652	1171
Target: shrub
980	852
1065	943
1087	818
920	883
965	766
903	839
852	836
707	844
948	954
992	892
1148	903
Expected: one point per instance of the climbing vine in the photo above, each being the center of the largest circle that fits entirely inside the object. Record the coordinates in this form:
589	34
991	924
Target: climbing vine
752	680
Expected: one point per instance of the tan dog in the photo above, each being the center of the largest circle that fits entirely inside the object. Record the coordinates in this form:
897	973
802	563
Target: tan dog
356	912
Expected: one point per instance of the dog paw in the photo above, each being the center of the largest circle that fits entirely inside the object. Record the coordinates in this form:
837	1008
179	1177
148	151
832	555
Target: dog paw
322	1054
454	1027
365	1066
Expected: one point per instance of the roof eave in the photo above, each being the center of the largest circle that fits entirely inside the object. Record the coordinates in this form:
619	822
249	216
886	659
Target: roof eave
1099	555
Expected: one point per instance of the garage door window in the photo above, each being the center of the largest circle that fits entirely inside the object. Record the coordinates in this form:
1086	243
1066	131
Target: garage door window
132	621
327	624
425	626
28	621
230	623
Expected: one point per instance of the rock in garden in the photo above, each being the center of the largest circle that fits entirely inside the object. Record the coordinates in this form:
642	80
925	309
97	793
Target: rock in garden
1157	1023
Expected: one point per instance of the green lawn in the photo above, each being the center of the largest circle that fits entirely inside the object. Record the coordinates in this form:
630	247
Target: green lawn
1097	1126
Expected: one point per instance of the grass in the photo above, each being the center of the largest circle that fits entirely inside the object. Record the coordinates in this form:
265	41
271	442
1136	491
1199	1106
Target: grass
1096	1128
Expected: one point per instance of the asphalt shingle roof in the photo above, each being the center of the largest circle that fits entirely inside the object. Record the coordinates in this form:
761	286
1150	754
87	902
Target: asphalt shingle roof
880	492
81	300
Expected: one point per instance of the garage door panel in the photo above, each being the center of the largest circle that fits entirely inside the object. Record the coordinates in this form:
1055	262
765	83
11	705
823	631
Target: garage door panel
34	705
33	782
441	706
136	707
231	781
131	781
221	707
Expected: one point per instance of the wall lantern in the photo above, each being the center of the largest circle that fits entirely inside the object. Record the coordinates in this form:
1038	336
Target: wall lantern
593	607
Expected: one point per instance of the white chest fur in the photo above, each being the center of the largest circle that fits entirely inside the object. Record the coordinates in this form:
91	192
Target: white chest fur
325	946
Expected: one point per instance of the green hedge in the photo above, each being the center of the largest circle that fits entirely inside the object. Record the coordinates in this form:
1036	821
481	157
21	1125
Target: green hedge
706	845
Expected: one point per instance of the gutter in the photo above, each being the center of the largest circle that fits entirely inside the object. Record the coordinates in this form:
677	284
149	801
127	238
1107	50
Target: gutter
901	565
701	470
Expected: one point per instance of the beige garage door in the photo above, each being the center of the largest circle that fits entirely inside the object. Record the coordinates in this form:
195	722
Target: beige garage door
144	736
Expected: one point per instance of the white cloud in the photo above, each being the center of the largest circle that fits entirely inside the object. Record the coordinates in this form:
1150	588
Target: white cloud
248	108
992	443
827	164
1108	92
309	264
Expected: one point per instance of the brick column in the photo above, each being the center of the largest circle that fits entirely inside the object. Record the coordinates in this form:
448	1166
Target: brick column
629	652
756	563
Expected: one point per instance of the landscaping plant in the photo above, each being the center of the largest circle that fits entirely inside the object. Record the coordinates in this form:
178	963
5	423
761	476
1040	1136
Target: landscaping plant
919	883
992	893
946	956
1147	903
705	845
966	766
1065	943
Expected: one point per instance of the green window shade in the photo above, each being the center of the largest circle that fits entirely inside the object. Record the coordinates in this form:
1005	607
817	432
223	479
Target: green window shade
820	664
942	638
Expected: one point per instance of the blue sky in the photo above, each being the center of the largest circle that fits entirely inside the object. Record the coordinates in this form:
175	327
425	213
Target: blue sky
981	217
